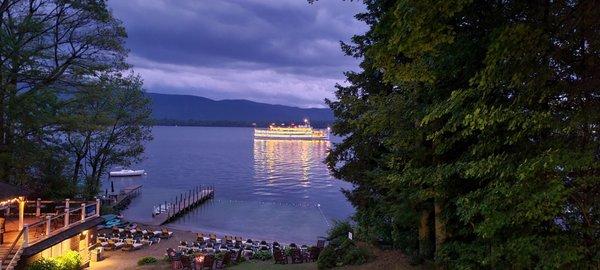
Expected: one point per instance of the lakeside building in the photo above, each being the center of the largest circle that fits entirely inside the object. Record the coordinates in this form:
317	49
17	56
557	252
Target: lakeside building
35	229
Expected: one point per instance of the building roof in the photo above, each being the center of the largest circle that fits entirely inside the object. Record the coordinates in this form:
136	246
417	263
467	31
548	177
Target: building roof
8	191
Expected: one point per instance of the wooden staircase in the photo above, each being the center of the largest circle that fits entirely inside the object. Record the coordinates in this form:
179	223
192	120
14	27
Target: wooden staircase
10	253
13	256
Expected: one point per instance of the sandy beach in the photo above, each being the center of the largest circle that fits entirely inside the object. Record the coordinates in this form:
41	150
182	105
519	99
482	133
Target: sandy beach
127	260
118	259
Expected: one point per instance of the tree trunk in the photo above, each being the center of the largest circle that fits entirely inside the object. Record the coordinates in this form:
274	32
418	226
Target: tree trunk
6	144
424	233
440	227
79	156
3	144
75	178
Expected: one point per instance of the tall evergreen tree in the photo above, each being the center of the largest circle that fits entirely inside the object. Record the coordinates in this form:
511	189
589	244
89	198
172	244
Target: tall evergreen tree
471	133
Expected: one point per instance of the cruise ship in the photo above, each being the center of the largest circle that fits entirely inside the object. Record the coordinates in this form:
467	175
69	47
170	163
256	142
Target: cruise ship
293	132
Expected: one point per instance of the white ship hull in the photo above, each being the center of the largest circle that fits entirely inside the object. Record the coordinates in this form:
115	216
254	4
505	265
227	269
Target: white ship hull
306	138
125	173
303	132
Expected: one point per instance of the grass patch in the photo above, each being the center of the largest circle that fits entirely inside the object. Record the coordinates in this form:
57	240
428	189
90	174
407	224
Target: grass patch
147	260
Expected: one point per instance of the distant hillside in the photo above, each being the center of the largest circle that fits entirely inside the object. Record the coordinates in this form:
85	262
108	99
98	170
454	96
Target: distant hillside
193	110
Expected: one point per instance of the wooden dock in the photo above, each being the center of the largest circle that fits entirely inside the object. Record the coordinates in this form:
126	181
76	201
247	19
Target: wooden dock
120	200
170	210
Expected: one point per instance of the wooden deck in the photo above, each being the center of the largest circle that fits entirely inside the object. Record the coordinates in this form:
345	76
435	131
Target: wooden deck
40	227
187	201
12	231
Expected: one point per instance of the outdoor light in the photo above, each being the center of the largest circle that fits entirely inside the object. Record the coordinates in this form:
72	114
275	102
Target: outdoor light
9	202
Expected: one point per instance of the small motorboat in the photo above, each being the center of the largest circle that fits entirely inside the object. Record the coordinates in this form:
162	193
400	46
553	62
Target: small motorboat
124	173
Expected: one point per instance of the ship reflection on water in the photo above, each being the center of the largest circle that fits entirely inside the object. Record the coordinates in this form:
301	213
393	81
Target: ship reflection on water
276	162
264	189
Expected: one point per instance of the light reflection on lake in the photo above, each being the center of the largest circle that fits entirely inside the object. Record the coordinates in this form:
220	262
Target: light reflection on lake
264	188
278	161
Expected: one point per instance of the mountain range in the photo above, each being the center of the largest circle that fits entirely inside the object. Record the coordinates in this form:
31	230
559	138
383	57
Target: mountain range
169	109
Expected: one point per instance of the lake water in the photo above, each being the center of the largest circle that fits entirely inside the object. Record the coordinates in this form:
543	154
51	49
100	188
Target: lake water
272	190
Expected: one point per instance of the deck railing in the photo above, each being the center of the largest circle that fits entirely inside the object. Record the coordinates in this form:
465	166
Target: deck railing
39	207
55	223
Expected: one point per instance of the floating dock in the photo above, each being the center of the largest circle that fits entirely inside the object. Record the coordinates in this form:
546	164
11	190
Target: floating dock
169	211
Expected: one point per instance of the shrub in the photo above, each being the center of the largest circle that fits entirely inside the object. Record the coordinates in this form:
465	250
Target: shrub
287	251
147	260
107	209
344	244
339	229
219	256
327	258
341	250
42	264
262	255
69	261
356	255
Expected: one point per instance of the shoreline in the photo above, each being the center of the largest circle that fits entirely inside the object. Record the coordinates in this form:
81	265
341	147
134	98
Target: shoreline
126	260
117	259
183	230
264	124
257	233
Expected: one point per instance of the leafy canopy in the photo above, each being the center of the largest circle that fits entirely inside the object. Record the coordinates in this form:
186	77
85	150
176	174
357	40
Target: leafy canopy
472	131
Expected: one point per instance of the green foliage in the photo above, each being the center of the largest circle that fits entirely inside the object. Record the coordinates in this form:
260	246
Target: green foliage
219	256
117	123
327	258
341	250
42	264
63	99
262	255
107	209
69	261
356	256
471	132
147	260
340	229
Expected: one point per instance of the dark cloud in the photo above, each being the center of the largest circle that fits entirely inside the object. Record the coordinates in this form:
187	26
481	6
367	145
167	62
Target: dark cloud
278	51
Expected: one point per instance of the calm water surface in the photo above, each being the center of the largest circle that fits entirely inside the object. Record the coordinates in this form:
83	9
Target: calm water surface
276	190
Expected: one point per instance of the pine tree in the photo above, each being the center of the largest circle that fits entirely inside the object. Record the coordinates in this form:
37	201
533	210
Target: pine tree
472	131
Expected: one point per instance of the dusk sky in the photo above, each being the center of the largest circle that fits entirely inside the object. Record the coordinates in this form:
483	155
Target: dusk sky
273	51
